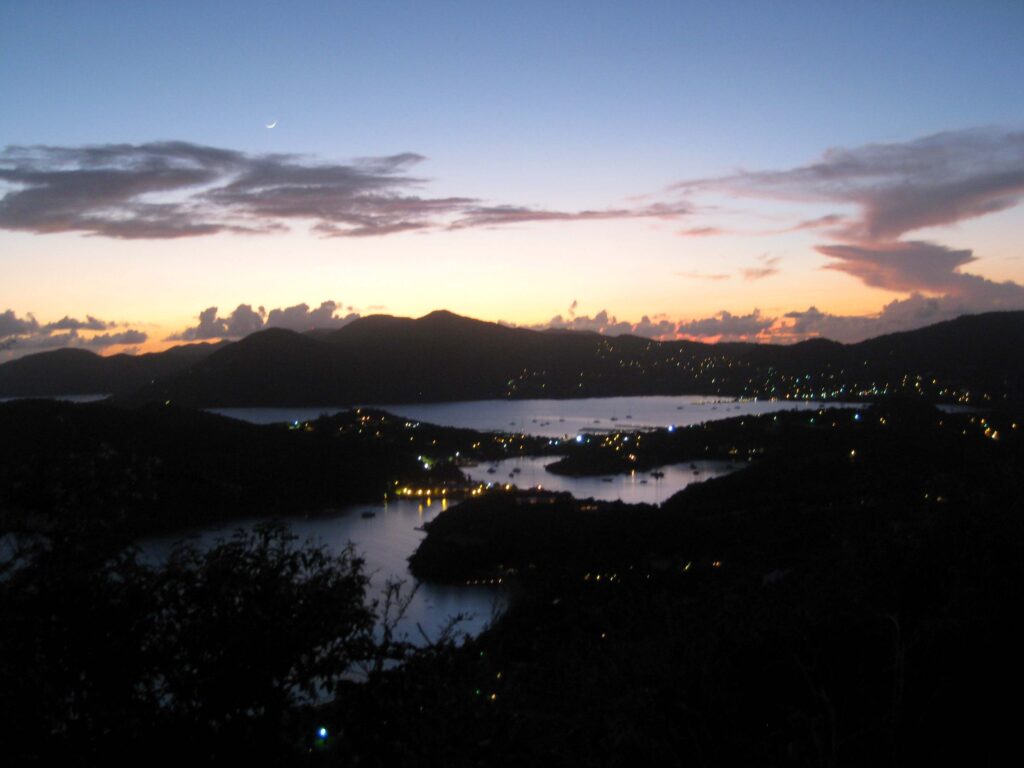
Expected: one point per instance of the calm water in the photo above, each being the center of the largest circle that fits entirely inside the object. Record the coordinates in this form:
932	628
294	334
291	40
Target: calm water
385	541
65	398
388	537
635	488
551	418
392	534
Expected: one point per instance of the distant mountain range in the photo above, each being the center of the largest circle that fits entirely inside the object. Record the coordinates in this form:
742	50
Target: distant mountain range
80	372
975	359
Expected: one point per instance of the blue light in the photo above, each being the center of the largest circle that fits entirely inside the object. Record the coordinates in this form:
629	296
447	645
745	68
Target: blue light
321	733
579	438
671	427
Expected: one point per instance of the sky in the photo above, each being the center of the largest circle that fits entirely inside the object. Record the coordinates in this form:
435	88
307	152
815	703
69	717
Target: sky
728	170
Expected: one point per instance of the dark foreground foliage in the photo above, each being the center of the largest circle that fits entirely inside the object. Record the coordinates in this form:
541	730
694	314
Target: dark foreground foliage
849	598
215	653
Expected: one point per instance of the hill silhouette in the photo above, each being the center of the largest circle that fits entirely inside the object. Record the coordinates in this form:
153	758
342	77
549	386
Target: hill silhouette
441	356
81	372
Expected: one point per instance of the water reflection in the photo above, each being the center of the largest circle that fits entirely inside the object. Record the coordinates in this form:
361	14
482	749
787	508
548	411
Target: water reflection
553	418
635	488
385	535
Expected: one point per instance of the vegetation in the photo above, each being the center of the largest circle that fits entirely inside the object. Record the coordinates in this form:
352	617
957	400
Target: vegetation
847	598
227	650
381	359
163	468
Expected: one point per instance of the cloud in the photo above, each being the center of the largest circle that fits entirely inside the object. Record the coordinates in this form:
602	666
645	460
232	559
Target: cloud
767	269
602	322
609	325
71	324
209	327
898	187
832	220
914	311
900	266
130	336
703	276
12	325
22	335
726	326
926	268
661	329
302	318
701	231
173	189
501	215
244	320
722	326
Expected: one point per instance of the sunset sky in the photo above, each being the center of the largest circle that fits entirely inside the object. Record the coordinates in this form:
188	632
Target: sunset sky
716	170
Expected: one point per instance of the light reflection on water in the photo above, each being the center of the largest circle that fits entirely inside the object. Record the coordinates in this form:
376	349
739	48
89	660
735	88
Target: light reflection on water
385	541
389	534
636	488
552	418
385	535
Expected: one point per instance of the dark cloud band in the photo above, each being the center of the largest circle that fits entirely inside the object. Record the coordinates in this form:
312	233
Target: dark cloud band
165	190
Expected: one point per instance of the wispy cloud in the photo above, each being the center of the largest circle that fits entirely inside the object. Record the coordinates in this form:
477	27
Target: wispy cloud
898	187
701	231
175	189
767	269
894	189
501	215
704	275
829	221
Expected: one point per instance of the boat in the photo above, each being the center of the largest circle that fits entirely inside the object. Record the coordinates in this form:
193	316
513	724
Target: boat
657	474
368	515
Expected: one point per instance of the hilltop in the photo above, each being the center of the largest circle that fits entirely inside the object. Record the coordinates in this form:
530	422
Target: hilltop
971	360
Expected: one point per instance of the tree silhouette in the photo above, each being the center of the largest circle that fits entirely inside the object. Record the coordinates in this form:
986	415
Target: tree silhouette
227	646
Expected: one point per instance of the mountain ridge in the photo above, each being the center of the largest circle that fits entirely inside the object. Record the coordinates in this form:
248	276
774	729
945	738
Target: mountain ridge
443	357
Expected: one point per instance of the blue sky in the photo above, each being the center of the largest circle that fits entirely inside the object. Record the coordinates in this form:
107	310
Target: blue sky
555	106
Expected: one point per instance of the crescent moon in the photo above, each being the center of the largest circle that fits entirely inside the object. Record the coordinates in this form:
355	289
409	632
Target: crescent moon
271	125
